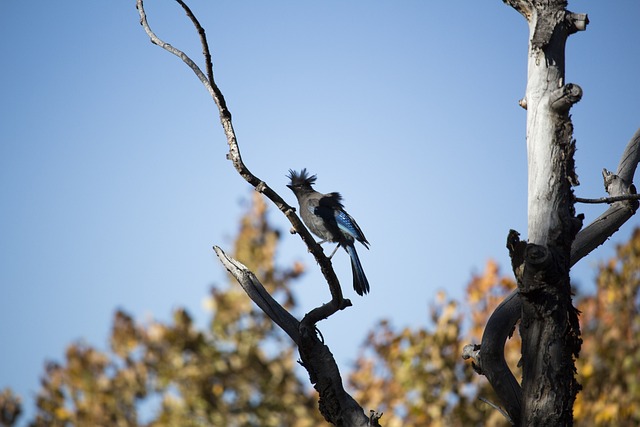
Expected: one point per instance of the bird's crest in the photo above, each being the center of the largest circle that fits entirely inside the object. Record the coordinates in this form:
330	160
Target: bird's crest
301	179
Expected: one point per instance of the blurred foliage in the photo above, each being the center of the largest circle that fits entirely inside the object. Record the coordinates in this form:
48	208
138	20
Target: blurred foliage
417	376
609	367
10	407
240	370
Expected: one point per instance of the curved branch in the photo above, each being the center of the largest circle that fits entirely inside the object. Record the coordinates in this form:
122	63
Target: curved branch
500	327
337	300
335	404
630	158
617	185
489	356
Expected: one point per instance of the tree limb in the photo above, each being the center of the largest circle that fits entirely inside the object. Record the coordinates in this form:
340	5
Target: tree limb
260	296
338	302
335	404
542	279
608	200
502	321
617	185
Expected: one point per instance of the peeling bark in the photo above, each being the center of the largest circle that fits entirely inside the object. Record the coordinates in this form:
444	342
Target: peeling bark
549	323
489	356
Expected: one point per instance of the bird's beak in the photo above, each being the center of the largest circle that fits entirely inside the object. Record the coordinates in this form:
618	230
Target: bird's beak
290	186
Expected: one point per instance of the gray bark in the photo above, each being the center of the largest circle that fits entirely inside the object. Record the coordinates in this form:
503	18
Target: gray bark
549	324
489	356
335	404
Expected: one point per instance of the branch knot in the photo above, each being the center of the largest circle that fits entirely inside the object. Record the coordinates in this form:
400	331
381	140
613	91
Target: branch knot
564	97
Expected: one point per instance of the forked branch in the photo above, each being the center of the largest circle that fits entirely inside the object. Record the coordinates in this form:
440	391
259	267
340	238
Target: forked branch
337	406
338	302
543	300
501	324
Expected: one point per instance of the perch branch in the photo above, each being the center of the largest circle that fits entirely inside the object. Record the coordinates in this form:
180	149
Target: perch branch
335	404
337	300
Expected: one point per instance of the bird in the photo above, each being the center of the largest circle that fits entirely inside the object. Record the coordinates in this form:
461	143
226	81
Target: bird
325	216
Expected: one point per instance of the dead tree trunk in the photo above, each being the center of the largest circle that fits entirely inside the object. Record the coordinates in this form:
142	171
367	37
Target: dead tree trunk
549	323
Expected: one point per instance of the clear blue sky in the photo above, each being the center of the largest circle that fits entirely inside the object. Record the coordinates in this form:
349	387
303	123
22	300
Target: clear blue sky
114	183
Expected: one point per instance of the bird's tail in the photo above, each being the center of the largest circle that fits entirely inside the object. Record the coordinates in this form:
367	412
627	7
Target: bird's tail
360	282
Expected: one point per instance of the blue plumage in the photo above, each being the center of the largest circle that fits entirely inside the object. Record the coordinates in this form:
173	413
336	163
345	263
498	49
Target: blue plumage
325	216
348	225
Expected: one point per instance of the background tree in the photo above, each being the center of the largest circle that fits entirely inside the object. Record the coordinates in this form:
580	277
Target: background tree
611	330
261	186
238	372
240	369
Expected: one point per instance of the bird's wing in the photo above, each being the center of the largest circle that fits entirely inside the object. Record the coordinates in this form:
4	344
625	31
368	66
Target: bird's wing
326	205
349	226
330	208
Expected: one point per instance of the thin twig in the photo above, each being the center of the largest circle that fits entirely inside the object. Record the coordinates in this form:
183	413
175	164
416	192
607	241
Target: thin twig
177	52
609	199
205	45
499	409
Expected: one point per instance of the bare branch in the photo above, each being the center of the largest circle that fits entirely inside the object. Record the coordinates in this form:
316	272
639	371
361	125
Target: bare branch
335	404
490	356
608	199
166	46
500	327
203	41
617	185
337	300
499	409
260	296
629	159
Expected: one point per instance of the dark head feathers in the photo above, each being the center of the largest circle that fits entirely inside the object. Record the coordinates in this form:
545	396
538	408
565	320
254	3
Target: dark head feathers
301	179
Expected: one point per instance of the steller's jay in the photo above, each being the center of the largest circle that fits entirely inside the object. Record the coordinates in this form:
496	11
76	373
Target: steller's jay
325	216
